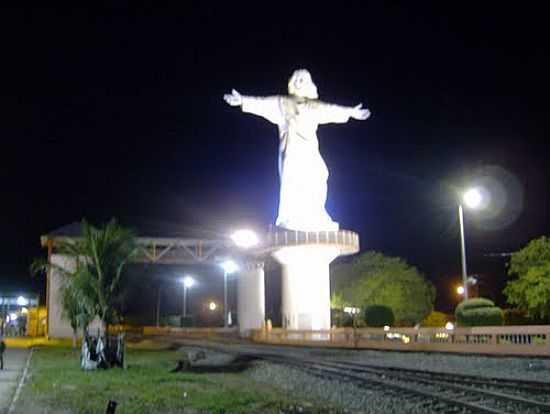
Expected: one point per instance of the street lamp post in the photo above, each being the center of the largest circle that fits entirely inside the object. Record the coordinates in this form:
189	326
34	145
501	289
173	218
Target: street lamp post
158	306
229	266
463	252
472	199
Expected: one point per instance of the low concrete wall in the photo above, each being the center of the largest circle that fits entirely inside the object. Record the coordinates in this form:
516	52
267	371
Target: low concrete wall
498	340
190	332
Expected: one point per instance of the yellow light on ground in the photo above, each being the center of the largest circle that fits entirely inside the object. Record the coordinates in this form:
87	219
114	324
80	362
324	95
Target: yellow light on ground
212	306
460	290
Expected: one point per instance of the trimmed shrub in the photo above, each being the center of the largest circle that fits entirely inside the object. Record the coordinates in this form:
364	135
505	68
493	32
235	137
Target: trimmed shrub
435	320
478	312
378	315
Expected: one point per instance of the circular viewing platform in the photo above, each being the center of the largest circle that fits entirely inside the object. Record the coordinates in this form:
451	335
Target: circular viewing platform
346	240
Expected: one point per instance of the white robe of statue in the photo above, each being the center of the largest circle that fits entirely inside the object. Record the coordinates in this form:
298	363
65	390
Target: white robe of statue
302	171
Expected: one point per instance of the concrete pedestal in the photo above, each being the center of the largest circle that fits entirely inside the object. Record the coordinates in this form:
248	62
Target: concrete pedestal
305	258
251	298
306	286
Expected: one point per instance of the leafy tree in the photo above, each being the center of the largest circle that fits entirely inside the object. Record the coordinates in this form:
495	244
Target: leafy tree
337	301
373	278
530	291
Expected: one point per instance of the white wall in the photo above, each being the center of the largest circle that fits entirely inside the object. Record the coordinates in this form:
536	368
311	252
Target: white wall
58	326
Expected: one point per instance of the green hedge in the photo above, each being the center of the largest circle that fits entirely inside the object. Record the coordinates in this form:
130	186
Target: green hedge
378	315
478	312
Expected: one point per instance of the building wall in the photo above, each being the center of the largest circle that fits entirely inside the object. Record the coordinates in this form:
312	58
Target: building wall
58	326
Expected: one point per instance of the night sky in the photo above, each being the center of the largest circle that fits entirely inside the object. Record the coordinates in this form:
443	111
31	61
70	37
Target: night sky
118	112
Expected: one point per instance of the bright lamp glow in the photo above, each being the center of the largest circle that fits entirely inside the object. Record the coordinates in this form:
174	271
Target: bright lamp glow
449	326
188	281
212	306
460	290
351	310
24	311
473	198
229	266
13	317
245	238
21	301
386	328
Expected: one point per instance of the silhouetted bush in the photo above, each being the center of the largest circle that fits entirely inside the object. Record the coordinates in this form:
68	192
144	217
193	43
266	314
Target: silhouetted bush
378	315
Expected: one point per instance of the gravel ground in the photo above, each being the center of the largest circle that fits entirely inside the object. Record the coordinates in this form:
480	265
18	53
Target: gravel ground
355	399
503	367
525	368
334	393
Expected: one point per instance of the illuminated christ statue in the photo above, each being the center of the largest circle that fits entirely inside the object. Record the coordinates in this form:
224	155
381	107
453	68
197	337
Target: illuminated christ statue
302	171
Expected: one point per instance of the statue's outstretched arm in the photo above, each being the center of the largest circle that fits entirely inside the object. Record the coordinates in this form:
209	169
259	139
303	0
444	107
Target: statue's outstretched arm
268	107
330	113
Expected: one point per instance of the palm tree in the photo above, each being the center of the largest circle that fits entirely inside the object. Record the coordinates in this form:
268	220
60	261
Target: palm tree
75	309
95	287
101	253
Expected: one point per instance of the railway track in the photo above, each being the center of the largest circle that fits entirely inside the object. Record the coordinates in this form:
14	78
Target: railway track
429	390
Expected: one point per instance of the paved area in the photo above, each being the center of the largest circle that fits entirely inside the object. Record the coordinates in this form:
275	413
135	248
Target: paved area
14	363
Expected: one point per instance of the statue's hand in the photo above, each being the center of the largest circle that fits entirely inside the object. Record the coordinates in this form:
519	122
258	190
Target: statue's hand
234	98
359	113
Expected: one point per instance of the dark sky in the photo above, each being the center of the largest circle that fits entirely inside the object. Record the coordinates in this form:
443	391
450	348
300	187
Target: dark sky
118	111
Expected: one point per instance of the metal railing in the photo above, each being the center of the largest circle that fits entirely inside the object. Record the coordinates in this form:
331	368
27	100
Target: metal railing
514	340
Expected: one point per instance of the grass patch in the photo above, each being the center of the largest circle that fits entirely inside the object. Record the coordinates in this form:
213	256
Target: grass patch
147	386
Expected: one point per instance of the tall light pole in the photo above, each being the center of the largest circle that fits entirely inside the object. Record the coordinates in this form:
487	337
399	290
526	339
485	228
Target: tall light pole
472	199
158	306
229	266
188	282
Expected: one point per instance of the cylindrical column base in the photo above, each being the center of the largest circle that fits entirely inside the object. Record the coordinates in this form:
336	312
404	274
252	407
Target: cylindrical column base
306	286
251	298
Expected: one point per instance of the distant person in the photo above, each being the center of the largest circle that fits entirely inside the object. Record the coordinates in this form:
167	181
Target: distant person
2	349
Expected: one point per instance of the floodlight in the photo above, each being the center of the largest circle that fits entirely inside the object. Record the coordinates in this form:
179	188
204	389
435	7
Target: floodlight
473	198
245	238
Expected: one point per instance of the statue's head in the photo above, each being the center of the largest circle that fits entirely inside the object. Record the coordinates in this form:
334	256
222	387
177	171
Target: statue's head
301	85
